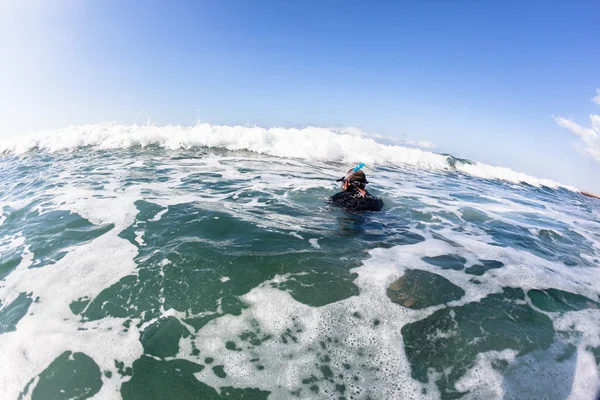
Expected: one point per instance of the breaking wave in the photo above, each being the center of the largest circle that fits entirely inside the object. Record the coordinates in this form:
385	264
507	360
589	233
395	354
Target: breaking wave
311	143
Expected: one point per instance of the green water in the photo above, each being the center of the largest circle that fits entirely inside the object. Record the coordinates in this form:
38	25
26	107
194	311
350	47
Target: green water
231	277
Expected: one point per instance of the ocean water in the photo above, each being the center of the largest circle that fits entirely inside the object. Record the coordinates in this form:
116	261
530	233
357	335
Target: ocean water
146	262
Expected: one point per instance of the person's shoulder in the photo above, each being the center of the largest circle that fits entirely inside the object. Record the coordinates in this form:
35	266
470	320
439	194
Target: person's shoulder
338	196
342	198
354	200
375	203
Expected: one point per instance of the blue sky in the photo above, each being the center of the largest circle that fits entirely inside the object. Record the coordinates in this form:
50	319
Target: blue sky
484	80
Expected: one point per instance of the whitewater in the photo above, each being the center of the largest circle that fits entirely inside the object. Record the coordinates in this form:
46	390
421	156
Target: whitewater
310	143
153	262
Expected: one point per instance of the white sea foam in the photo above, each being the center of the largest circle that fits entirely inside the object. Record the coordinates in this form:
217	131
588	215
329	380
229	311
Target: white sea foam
296	235
285	365
277	314
311	143
159	215
483	381
89	268
485	171
50	328
139	237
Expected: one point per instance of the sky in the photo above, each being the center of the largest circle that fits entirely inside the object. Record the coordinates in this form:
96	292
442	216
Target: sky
510	83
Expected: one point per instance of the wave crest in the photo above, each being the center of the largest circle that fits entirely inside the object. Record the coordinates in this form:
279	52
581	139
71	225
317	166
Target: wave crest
311	143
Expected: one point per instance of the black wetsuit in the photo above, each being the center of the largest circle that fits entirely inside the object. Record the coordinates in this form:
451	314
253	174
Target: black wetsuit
352	199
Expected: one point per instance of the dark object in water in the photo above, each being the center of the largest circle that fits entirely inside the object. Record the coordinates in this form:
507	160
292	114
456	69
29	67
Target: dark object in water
355	196
352	199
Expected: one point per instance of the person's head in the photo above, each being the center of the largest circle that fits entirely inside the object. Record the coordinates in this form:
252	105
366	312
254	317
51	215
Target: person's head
356	179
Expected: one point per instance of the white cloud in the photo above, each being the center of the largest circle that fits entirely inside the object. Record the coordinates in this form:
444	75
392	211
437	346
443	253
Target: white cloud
597	98
589	143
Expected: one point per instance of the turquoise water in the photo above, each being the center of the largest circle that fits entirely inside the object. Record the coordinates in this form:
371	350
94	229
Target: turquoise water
152	273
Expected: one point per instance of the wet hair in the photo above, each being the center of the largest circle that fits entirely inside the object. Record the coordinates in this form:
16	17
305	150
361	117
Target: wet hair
357	179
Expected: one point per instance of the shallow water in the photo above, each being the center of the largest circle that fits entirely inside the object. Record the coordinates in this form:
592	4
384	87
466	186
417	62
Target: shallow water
152	273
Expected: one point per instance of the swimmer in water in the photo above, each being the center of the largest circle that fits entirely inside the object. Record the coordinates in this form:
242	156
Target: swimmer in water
354	195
